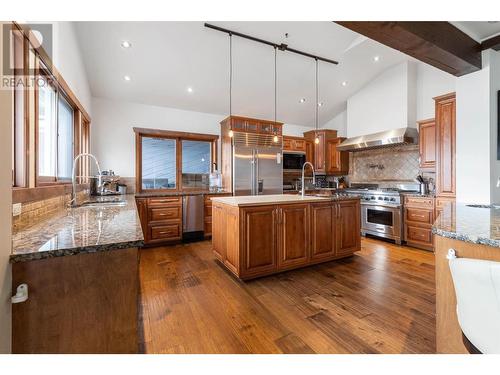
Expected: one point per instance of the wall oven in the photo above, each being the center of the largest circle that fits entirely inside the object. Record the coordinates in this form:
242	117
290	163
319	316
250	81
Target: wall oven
383	220
293	161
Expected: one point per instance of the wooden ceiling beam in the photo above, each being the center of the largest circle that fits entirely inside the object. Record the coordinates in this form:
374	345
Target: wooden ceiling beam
439	44
493	42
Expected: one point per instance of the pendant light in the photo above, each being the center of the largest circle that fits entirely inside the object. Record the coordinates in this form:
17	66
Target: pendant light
275	138
230	83
316	139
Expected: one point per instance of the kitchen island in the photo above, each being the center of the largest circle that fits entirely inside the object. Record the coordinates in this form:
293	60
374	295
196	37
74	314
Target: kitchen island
255	236
473	232
81	269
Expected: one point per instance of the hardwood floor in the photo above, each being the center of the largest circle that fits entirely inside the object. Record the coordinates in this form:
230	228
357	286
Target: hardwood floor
381	300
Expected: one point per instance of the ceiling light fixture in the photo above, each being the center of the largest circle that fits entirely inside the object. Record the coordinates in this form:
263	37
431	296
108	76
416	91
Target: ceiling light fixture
126	44
376	58
344	83
275	138
302	100
320	104
190	89
126	78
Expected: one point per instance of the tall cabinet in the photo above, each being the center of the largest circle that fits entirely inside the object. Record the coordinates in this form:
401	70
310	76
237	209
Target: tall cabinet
445	150
327	159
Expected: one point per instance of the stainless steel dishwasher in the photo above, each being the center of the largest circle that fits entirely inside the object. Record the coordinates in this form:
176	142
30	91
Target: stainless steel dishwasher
193	217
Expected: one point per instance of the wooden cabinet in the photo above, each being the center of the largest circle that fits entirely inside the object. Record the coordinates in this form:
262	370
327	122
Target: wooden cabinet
251	125
293	235
79	304
418	219
208	212
323	222
326	157
446	144
261	240
441	203
348	222
310	152
295	144
161	219
338	161
427	144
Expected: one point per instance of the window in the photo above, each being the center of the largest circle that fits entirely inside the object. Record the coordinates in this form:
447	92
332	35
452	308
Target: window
158	163
56	133
173	160
196	163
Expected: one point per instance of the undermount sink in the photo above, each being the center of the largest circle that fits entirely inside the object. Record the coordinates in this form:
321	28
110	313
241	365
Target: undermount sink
483	205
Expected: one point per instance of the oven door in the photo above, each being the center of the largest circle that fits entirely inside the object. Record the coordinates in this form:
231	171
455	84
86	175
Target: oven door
382	220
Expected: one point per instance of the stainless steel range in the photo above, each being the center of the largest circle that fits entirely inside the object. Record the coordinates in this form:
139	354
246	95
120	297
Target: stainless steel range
381	211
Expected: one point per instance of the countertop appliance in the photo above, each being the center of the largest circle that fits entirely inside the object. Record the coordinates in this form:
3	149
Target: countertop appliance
192	217
257	164
293	161
381	210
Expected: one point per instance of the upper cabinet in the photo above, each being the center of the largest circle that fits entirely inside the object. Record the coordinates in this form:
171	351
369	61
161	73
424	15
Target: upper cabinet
446	145
251	125
326	157
294	144
427	144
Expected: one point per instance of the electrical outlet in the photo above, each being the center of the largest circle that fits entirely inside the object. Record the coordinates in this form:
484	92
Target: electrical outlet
16	209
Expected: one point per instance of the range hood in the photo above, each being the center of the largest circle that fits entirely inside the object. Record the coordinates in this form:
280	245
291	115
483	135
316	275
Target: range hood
389	138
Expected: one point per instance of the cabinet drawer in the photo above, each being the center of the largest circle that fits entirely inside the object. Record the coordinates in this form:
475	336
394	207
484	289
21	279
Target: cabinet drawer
419	202
165	232
419	216
417	234
165	213
164	201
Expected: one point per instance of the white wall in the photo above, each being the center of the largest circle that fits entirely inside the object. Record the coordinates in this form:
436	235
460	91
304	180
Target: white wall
338	123
68	60
473	138
494	63
5	214
382	104
113	139
431	82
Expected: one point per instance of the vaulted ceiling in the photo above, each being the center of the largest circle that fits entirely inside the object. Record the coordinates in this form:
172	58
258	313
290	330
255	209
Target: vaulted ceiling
167	58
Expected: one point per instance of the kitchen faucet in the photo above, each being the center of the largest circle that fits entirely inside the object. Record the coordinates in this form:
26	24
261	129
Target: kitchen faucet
73	201
314	177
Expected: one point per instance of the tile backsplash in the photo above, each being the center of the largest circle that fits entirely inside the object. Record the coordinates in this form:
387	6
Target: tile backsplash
394	164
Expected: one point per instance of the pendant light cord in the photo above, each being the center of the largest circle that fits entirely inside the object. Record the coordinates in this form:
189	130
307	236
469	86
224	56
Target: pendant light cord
230	74
317	95
275	85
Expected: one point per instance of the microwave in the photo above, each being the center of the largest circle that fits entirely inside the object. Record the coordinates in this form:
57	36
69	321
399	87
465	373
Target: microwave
293	161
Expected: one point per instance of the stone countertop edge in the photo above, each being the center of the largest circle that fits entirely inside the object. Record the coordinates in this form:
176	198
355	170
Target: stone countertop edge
279	199
469	224
80	230
177	193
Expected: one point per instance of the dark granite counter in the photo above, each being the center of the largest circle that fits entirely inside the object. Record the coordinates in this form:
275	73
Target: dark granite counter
80	230
178	193
469	224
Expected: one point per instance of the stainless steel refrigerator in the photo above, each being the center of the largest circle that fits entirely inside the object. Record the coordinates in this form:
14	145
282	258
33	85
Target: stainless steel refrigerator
257	164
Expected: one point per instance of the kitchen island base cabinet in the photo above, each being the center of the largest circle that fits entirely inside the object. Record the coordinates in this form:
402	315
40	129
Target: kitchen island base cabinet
254	241
85	303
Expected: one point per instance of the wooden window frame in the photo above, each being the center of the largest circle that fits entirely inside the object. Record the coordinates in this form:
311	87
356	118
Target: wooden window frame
34	186
178	137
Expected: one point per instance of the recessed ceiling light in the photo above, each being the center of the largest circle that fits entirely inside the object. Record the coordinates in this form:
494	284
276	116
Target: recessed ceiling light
189	89
302	100
320	104
344	83
126	78
126	44
376	58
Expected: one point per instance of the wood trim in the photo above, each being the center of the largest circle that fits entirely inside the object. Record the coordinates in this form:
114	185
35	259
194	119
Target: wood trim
439	44
450	95
175	134
493	42
233	117
426	121
43	56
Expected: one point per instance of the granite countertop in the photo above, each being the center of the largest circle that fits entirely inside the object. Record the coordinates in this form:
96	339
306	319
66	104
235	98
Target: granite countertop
178	193
469	224
80	230
260	200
